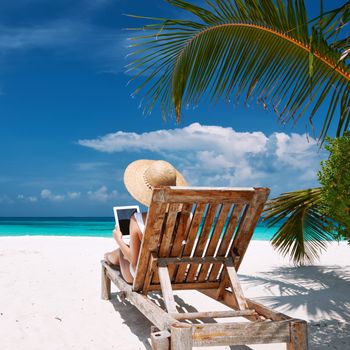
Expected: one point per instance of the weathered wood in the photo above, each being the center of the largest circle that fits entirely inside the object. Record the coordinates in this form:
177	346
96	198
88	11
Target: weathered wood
206	195
226	239
172	243
298	339
181	336
195	223
154	313
238	333
191	260
262	310
152	267
166	289
186	286
154	223
168	230
236	288
246	230
267	312
215	239
105	283
212	314
181	234
160	340
202	240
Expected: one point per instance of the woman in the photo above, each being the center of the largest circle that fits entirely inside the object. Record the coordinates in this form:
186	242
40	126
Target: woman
140	177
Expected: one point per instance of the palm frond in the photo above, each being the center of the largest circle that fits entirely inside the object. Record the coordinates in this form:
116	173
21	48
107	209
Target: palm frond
303	233
256	49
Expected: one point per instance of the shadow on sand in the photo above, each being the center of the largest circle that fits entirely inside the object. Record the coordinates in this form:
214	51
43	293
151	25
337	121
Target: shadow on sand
141	326
322	291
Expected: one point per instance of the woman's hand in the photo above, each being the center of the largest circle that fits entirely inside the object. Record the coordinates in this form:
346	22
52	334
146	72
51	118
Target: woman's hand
117	234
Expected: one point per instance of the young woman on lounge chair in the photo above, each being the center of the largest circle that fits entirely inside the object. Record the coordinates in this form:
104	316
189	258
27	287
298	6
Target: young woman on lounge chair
140	177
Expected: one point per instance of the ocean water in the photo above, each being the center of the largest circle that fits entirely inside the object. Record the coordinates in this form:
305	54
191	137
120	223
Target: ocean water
87	226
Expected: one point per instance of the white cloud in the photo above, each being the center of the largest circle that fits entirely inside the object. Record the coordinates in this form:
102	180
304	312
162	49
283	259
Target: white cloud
30	199
47	194
193	137
73	195
102	194
61	33
73	37
218	156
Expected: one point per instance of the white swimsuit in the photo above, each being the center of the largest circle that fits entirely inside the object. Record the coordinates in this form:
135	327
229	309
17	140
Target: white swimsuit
141	224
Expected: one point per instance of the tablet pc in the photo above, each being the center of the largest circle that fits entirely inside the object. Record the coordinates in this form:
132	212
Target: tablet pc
122	217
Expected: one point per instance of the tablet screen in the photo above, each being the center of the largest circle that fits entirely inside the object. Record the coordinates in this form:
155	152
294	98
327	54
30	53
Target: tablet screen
122	217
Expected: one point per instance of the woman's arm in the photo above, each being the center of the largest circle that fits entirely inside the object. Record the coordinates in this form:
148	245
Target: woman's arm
130	253
135	241
122	245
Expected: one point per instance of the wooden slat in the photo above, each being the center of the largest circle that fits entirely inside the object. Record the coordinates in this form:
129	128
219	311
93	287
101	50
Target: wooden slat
202	240
195	223
244	233
182	231
168	230
228	300
192	260
236	288
152	267
222	218
238	333
167	235
206	195
150	241
225	241
186	286
266	312
298	339
246	230
212	314
166	289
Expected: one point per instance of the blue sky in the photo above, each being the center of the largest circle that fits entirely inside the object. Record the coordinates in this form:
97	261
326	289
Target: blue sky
69	126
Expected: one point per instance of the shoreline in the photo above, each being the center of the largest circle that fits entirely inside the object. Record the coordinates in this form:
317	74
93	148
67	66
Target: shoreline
50	289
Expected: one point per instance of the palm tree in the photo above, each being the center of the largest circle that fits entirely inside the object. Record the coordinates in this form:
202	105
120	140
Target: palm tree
254	49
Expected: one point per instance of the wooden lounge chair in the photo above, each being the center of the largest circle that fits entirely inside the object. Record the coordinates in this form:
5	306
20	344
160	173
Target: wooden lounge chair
196	238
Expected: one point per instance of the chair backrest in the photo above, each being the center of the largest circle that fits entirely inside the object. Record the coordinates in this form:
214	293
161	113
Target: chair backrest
192	223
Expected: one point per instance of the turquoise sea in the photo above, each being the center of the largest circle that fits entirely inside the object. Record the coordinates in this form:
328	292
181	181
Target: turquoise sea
87	226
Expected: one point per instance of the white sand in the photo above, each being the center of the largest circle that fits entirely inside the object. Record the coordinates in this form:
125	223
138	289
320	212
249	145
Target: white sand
50	296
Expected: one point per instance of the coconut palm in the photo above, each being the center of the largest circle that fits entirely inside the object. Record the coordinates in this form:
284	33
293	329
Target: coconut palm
261	50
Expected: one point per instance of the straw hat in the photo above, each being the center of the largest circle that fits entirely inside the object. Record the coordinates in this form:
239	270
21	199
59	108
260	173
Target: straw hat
141	176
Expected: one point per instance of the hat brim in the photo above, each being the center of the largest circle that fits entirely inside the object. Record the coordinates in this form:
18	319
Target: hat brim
135	182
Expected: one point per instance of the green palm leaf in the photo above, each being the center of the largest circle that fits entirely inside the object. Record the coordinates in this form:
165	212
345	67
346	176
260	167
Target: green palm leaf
255	49
305	232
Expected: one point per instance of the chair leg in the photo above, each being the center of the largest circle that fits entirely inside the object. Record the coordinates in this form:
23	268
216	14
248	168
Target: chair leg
298	336
181	336
167	291
105	285
160	340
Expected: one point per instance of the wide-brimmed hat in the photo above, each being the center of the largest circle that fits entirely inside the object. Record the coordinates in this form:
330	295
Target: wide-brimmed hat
141	176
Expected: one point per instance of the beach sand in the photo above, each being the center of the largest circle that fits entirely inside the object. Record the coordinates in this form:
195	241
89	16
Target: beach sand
50	296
